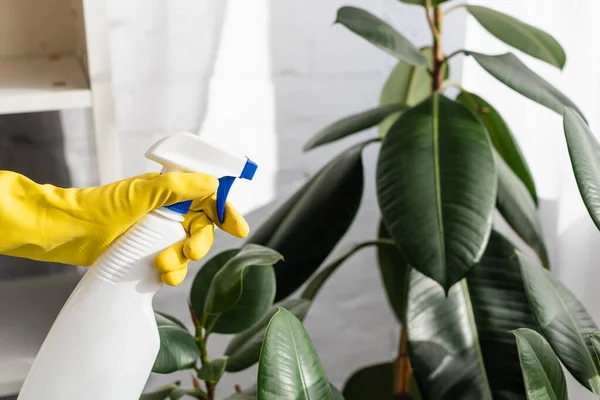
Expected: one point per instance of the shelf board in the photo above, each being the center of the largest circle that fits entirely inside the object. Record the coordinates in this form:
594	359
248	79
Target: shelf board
28	308
42	83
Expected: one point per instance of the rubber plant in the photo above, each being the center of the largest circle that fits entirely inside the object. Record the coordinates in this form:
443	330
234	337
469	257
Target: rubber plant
481	317
473	305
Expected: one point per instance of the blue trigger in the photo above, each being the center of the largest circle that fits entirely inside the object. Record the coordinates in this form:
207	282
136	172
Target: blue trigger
225	184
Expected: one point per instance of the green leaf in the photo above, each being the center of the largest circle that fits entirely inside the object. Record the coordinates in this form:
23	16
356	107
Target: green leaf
204	277
289	367
502	138
352	124
250	394
213	370
161	393
584	151
257	295
226	287
243	350
563	321
178	350
177	394
542	373
518	209
171	318
436	188
422	2
196	393
395	274
375	382
595	339
297	228
529	39
456	342
508	69
407	84
379	33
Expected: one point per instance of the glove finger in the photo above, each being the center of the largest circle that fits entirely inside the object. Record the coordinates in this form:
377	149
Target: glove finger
170	188
171	259
233	223
174	278
202	232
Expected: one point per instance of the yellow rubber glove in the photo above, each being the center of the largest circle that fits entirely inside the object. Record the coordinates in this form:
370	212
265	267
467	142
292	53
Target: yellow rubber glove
75	226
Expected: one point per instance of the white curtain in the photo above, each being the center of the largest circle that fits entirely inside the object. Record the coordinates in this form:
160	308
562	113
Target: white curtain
573	240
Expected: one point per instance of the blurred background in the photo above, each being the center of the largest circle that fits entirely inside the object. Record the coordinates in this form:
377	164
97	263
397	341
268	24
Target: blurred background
261	77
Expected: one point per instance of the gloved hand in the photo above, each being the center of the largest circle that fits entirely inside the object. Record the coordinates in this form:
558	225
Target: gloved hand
75	226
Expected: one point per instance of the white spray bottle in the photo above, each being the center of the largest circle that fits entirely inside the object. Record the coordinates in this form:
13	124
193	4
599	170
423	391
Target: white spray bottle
104	342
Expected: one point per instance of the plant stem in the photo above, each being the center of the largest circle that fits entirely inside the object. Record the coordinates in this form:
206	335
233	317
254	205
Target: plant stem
201	342
438	53
430	21
402	370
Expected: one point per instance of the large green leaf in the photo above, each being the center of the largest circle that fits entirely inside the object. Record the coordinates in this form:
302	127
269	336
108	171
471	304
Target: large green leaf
257	295
502	138
352	124
161	393
595	339
520	35
379	33
584	151
518	209
178	349
508	69
171	318
244	349
407	84
213	370
310	224
250	394
542	373
456	342
436	188
226	287
563	321
289	367
204	277
375	382
395	274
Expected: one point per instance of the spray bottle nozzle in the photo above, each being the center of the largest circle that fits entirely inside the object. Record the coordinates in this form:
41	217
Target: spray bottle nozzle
186	152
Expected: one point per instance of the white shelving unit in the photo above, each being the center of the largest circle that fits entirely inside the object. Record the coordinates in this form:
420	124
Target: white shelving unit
53	56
